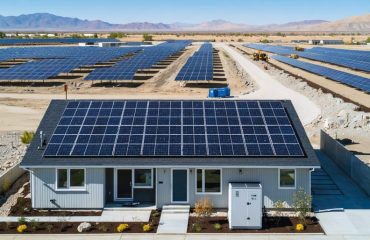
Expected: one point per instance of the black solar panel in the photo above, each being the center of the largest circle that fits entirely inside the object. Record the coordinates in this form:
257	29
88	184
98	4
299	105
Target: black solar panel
174	128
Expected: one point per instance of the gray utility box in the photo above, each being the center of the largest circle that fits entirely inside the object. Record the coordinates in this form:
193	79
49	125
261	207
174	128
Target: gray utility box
245	206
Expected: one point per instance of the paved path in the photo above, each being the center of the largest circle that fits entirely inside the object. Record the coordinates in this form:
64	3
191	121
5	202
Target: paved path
270	88
174	220
107	216
355	216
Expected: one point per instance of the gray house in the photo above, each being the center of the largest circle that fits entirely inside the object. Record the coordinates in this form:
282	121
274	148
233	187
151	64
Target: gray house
88	154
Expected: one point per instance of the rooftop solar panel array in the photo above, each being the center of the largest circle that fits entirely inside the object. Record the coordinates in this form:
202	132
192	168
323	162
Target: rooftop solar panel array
46	62
126	69
174	128
352	80
199	66
358	60
20	41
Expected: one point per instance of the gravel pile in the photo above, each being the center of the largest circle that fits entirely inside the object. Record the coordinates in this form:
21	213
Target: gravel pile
11	150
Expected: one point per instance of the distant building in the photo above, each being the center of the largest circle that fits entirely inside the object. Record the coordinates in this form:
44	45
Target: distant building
88	35
326	42
299	41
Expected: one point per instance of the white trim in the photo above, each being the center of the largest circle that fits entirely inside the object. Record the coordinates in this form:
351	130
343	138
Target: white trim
32	189
204	182
69	188
143	187
295	178
156	187
187	186
175	166
115	197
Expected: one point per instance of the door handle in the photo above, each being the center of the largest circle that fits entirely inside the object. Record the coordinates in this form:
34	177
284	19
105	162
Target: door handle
248	203
248	218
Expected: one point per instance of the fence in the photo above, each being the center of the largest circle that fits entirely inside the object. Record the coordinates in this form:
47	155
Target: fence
347	161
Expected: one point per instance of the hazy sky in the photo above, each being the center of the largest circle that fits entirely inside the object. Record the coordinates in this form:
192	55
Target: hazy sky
191	11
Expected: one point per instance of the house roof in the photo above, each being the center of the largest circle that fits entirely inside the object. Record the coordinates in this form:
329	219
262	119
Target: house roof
35	155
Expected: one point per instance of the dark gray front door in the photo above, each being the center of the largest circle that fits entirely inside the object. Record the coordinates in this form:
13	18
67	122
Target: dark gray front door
179	186
124	183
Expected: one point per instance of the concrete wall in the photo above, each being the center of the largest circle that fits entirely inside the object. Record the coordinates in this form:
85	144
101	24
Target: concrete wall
10	176
268	177
349	163
43	182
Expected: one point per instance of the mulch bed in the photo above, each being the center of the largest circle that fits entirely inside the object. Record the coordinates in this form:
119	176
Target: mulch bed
270	225
69	228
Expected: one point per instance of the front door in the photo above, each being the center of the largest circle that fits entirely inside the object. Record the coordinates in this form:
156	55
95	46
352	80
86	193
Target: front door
124	184
179	185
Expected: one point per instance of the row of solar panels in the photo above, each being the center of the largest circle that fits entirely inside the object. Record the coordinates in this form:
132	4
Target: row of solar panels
18	41
358	60
199	66
126	69
47	62
352	80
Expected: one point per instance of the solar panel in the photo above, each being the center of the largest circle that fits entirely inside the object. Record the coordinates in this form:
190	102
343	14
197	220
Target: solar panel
352	80
19	41
174	128
199	66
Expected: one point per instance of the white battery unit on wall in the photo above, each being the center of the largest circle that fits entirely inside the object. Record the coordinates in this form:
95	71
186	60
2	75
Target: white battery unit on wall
245	206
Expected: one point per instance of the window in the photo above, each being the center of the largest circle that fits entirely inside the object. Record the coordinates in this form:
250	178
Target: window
71	179
143	178
287	178
208	181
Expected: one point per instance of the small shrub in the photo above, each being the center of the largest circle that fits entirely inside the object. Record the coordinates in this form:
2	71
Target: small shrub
22	221
156	214
217	226
49	228
147	227
299	227
27	137
34	225
21	228
197	227
302	204
103	227
122	227
6	185
203	207
279	206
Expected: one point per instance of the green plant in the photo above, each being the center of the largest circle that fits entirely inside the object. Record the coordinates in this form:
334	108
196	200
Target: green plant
27	137
278	208
6	185
2	35
34	224
21	228
49	228
302	204
155	214
217	226
147	227
22	220
197	227
103	227
122	227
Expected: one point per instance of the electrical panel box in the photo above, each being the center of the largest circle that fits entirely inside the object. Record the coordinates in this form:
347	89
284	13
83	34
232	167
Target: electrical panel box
245	206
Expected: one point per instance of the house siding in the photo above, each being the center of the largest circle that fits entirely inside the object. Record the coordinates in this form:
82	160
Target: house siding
43	190
268	177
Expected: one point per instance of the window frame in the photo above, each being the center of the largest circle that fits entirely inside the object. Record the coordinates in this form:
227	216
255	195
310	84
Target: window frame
295	178
203	192
143	187
69	188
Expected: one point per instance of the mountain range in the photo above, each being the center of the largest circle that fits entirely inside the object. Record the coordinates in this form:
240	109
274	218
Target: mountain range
50	22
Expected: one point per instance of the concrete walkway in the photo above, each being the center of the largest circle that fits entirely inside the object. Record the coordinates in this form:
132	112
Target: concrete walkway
270	88
344	214
174	219
107	216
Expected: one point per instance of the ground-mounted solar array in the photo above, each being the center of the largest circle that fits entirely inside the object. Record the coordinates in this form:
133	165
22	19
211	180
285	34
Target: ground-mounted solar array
47	62
149	56
199	66
174	128
358	60
352	80
20	41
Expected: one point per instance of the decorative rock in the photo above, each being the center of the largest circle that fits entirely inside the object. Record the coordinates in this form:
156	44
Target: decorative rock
84	227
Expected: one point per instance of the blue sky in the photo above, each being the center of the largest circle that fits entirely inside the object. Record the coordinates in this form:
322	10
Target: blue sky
191	11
